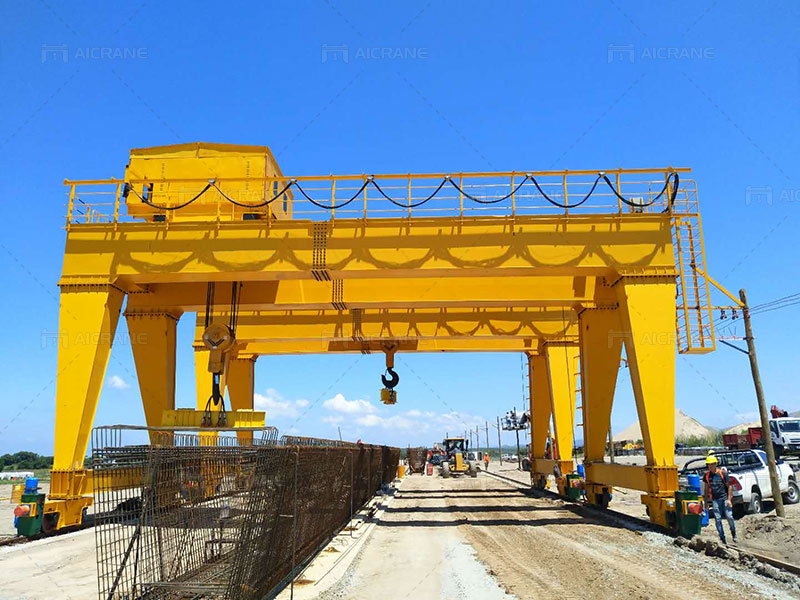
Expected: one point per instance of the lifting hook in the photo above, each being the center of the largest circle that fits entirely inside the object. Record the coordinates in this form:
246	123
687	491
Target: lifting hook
392	380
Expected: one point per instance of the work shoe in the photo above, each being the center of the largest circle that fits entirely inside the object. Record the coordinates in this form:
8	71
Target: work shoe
735	541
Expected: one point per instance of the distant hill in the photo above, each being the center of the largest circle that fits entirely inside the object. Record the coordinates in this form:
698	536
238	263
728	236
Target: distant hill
742	427
685	427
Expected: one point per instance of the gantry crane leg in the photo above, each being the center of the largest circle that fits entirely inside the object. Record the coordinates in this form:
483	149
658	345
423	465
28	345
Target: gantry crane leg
88	317
601	350
562	360
541	412
153	343
241	388
647	316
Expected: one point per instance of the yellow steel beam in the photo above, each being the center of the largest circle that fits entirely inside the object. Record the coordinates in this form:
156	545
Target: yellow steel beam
187	417
337	325
417	248
455	291
293	347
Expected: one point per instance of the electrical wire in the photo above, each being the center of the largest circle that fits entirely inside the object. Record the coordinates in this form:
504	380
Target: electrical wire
671	177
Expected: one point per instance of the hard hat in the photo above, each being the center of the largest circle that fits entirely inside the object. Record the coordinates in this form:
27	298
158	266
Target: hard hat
711	460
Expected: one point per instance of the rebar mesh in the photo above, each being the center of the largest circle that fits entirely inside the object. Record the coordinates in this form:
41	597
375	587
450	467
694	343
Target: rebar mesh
211	516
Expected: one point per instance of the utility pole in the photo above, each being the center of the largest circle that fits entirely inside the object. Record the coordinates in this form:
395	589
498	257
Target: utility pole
499	443
477	440
762	408
519	458
487	437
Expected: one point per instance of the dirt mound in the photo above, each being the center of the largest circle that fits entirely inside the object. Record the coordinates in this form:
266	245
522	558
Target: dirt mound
742	427
685	426
768	532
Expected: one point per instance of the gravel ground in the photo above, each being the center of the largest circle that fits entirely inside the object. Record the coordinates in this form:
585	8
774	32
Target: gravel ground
528	548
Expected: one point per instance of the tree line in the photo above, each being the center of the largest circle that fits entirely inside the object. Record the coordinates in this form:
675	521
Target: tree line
25	461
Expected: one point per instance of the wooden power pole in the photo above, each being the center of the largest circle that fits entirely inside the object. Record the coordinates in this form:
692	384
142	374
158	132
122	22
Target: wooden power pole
762	408
499	442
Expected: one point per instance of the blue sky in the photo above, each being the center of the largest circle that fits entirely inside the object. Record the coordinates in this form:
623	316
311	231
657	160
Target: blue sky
428	86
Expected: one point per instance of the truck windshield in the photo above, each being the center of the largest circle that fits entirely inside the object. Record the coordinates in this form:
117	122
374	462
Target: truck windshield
790	425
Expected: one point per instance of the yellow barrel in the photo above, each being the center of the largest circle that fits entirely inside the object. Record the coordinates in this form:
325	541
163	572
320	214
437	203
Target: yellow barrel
401	471
16	492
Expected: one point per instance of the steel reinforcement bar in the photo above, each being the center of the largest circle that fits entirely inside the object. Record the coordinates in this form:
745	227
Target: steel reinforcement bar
210	516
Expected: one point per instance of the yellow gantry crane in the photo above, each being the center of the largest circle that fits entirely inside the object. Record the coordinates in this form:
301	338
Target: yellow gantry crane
567	267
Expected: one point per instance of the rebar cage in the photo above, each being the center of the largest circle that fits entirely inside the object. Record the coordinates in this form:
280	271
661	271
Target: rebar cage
417	458
209	515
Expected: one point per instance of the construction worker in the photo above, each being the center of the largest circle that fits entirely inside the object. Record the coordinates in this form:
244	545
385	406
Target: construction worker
720	495
486	460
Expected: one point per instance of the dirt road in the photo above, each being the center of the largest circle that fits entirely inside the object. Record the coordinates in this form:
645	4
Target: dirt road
481	538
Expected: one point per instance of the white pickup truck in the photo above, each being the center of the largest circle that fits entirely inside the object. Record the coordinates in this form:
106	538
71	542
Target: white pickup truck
749	477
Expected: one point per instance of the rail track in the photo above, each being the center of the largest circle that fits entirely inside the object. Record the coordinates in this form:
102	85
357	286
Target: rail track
629	521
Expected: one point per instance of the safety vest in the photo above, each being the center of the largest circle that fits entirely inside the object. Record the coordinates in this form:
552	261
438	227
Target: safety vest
723	473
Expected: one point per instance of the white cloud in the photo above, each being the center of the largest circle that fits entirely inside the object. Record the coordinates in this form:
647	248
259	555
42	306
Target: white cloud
333	420
395	422
414	413
351	407
117	382
276	406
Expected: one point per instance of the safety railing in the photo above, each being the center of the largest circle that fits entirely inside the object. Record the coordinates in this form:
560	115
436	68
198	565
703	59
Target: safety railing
325	198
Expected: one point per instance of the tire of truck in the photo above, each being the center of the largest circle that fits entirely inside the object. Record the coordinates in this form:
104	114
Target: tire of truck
778	451
792	495
473	470
756	505
445	469
526	464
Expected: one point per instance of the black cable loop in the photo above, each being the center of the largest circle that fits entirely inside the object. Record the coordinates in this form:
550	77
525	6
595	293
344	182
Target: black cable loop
405	205
558	204
257	205
331	207
673	175
480	201
184	205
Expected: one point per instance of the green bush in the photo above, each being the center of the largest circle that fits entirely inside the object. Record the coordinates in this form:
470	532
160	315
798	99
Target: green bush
713	438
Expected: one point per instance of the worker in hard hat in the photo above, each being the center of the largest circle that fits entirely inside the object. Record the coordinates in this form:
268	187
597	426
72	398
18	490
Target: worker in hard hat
486	460
719	494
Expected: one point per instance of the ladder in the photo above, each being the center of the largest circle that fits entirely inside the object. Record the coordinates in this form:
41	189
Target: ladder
695	324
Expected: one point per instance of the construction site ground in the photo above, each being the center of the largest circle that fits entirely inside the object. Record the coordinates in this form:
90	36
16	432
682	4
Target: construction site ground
454	538
483	538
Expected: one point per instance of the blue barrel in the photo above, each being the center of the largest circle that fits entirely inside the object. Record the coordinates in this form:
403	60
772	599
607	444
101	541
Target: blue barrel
31	485
694	483
582	471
